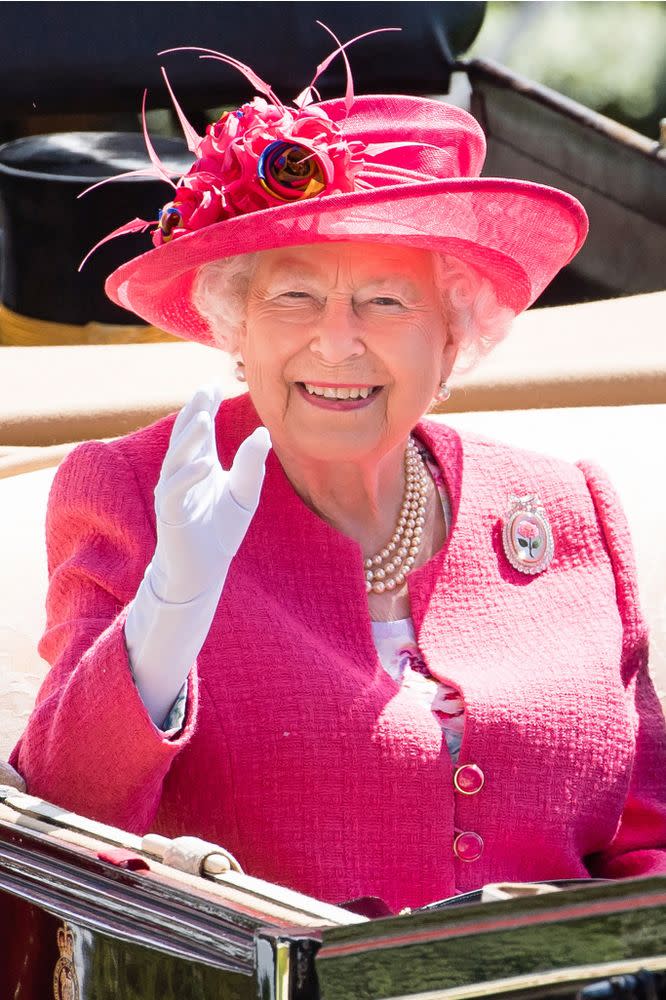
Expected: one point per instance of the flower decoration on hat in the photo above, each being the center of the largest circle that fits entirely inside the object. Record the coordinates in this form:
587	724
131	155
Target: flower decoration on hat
259	156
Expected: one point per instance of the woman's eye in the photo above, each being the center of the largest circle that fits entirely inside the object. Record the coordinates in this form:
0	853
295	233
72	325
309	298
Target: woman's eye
386	300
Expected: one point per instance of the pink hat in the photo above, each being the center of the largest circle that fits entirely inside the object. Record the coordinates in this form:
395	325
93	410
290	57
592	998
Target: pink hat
378	169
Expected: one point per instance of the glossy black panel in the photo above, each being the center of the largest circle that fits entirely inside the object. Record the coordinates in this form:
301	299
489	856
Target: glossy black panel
42	956
618	922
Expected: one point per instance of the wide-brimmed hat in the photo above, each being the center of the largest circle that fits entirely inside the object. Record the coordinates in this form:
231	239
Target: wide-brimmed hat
384	169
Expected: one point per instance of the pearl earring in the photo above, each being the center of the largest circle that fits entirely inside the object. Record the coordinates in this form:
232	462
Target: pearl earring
239	371
443	393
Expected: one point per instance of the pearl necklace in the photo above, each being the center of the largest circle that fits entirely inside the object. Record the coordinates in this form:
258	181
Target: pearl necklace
389	567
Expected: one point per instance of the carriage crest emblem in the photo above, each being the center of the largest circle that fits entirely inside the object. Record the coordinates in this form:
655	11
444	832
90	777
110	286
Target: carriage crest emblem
65	980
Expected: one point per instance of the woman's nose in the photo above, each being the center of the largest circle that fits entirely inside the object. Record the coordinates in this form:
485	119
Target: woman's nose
337	336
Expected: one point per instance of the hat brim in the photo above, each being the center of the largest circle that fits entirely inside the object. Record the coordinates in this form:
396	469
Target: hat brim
516	233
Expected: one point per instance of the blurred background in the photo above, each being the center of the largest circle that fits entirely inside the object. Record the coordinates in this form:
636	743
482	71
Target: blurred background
610	56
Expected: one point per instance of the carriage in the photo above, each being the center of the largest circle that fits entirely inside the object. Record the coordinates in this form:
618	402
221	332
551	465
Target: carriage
90	911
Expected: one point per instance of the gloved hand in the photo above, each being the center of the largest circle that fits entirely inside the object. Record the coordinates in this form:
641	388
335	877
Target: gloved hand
202	511
202	514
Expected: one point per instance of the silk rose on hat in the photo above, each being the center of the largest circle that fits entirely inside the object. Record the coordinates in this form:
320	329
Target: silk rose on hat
255	157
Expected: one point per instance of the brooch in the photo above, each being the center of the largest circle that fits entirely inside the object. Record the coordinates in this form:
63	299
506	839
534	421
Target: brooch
526	535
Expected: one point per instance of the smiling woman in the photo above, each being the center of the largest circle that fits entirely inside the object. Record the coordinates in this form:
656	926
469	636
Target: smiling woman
369	331
475	321
375	657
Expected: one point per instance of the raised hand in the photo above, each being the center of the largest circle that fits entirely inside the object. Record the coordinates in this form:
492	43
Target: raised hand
202	511
202	514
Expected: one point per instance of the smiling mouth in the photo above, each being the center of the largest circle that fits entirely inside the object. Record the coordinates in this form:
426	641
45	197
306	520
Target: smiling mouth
339	391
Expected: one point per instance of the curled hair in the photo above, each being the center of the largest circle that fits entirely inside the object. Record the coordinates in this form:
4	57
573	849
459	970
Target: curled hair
475	320
219	293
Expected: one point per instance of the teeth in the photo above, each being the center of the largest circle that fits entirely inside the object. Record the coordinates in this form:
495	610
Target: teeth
330	393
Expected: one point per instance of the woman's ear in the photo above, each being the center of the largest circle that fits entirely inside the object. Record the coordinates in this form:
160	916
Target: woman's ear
449	355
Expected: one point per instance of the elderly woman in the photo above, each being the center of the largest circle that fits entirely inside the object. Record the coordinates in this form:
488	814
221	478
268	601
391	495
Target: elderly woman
406	662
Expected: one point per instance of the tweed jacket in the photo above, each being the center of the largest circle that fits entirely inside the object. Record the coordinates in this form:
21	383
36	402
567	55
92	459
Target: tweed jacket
298	752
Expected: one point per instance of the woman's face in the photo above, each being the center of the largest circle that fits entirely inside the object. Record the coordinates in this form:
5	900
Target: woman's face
344	346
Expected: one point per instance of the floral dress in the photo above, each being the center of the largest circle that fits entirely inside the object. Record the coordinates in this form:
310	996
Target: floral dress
401	659
398	654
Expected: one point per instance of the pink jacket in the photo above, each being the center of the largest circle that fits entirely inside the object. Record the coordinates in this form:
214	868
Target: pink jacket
299	753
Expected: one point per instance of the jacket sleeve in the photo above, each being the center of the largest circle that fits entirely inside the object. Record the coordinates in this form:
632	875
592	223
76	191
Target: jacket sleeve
90	745
639	844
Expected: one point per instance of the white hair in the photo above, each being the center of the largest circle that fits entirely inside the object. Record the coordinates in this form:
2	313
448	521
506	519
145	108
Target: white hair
475	319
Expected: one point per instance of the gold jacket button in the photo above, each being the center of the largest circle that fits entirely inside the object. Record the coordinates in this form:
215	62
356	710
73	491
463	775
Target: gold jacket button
468	779
468	846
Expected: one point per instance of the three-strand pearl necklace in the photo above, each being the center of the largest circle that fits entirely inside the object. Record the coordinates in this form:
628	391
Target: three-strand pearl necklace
388	569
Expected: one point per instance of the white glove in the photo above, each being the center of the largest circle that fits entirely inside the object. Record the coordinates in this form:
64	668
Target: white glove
202	514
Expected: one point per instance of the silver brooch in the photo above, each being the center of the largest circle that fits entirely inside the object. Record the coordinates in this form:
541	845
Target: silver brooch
526	535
